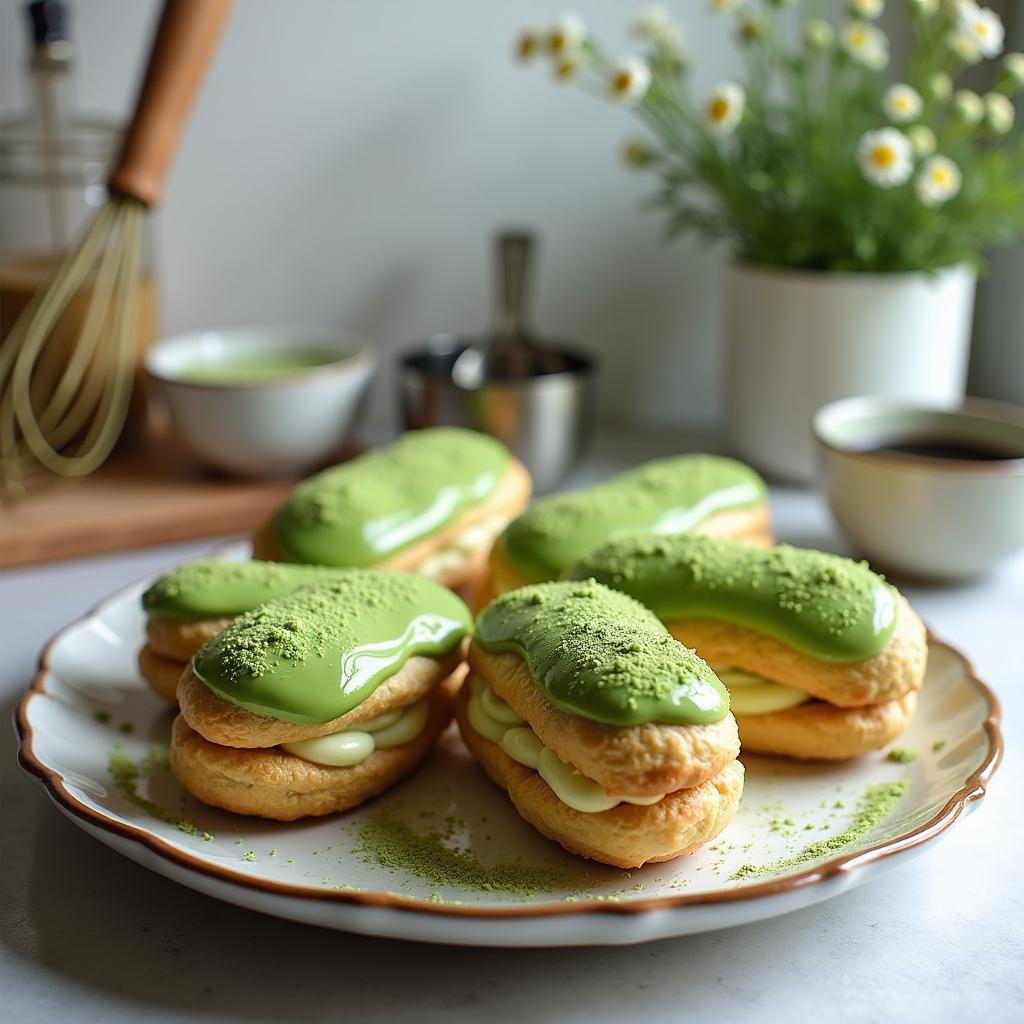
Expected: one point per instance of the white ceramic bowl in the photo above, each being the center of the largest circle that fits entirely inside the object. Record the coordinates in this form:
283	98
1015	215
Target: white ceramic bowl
273	427
940	518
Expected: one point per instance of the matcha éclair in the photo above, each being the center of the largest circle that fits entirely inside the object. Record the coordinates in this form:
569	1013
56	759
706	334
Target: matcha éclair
698	493
431	503
189	605
822	657
315	701
610	736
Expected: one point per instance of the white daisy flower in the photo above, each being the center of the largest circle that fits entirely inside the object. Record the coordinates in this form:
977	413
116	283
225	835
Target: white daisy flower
999	113
657	25
568	67
637	153
968	106
940	85
529	43
865	43
724	108
1013	65
567	36
964	47
885	157
984	26
922	140
819	35
630	79
902	103
938	181
870	9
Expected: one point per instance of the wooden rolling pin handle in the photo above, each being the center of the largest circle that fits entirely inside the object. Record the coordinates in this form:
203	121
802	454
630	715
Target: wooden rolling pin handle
182	48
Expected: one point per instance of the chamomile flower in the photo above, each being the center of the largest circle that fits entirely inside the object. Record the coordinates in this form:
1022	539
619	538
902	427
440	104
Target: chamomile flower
724	6
999	113
968	106
940	85
630	79
529	43
865	43
885	157
902	103
656	25
567	36
637	153
568	67
964	47
870	9
984	26
938	181
724	108
819	35
1013	65
922	140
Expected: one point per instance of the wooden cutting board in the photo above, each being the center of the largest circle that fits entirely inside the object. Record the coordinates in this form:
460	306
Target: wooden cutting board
152	494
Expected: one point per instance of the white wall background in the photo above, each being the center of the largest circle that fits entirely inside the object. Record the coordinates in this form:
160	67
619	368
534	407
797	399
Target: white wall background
347	162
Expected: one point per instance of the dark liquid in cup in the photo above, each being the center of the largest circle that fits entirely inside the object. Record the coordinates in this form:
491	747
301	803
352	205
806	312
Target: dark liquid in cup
945	448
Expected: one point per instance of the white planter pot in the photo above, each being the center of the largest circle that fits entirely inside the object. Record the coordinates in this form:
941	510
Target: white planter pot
797	340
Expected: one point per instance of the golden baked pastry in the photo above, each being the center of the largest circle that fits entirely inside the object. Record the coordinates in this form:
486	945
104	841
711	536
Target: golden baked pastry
822	657
431	503
704	494
610	737
320	699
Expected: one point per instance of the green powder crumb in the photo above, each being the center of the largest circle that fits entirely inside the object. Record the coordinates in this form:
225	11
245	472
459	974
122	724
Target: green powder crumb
208	837
126	774
102	716
808	827
392	844
839	804
875	806
901	755
249	855
238	842
273	853
938	745
126	727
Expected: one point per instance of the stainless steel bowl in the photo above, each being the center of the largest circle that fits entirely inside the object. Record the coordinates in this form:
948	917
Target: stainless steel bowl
545	420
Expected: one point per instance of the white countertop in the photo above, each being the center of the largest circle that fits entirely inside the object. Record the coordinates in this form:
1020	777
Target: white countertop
88	935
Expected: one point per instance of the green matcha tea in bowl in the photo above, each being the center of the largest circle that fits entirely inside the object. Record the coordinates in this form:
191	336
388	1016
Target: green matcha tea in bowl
263	401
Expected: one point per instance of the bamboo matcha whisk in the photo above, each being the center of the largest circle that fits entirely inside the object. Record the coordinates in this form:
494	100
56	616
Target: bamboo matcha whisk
73	429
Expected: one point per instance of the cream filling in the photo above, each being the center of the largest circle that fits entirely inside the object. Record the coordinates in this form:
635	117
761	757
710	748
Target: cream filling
751	694
490	716
353	746
461	549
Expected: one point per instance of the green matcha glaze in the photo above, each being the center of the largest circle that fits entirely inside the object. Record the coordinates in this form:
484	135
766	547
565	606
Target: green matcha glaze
369	509
318	652
212	590
828	607
601	655
667	496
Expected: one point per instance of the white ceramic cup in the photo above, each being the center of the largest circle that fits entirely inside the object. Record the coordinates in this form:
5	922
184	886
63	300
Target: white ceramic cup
939	518
271	427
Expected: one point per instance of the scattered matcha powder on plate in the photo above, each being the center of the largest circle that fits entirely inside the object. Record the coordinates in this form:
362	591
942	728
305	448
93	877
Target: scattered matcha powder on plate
901	755
392	844
875	806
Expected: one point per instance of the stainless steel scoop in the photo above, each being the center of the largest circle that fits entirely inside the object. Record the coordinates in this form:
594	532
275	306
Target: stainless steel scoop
510	351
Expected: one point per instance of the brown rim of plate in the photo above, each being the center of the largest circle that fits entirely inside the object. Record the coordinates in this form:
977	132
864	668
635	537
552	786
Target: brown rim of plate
973	789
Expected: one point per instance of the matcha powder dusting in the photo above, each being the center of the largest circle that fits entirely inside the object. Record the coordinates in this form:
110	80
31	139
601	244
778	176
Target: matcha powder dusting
877	803
389	843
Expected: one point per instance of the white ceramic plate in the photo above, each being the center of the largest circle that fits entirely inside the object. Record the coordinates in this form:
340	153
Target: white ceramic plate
89	704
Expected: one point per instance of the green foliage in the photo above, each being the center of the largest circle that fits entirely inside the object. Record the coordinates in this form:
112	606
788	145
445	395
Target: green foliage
784	186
